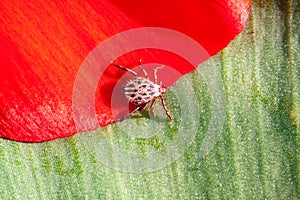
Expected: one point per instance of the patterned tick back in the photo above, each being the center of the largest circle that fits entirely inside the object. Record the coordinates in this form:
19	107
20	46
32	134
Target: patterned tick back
139	90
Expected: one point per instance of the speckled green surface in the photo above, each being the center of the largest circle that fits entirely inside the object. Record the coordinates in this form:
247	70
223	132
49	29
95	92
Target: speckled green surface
256	157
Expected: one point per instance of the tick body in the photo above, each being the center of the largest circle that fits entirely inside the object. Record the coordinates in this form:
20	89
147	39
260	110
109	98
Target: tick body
141	91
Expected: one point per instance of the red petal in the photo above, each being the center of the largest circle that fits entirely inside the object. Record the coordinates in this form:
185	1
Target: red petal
44	43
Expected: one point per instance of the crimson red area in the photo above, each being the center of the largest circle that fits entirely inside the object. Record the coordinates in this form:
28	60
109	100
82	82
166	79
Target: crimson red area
43	44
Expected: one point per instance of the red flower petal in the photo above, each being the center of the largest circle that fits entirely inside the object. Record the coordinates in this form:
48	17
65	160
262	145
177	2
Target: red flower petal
44	43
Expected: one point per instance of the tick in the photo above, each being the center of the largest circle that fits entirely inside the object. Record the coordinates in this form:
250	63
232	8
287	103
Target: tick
141	91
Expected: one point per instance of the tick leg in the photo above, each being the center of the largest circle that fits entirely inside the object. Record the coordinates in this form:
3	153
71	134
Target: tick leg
139	108
165	107
142	107
132	112
143	70
124	68
155	72
152	107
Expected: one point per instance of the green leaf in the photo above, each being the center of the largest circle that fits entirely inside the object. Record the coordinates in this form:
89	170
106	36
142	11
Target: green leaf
253	154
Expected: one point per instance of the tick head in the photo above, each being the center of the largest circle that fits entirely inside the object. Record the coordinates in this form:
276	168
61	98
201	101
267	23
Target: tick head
162	90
